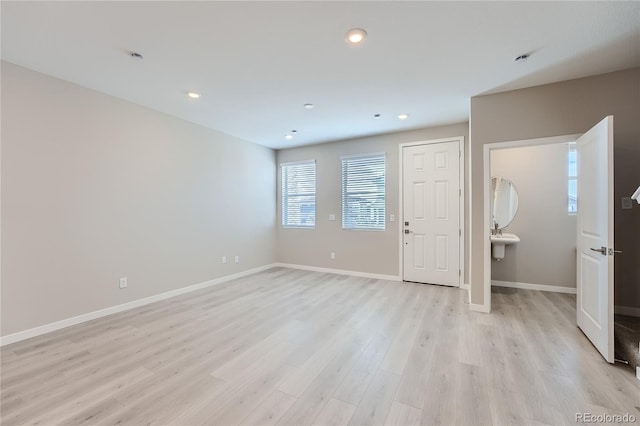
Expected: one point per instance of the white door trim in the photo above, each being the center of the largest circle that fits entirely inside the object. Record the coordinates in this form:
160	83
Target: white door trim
486	217
460	140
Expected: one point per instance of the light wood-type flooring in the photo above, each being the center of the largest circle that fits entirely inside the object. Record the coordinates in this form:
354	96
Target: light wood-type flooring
290	347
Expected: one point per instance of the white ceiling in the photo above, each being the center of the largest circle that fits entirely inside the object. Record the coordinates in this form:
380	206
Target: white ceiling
257	63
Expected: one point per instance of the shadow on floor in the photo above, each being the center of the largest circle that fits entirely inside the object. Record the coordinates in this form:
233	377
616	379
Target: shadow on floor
627	339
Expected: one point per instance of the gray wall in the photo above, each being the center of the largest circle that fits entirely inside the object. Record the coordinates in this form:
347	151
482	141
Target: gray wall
546	253
375	252
564	108
95	188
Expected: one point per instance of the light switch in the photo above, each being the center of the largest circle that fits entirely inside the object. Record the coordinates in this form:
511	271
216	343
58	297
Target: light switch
627	203
332	216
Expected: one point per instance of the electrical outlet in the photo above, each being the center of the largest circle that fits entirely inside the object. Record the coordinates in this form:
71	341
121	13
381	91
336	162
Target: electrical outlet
392	218
224	259
237	259
332	255
123	283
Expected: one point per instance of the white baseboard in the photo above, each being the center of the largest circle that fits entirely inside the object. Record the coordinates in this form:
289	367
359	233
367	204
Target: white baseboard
638	372
48	328
627	310
339	271
465	286
539	287
479	308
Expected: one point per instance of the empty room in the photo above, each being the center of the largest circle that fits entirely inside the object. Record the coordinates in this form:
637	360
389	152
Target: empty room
319	213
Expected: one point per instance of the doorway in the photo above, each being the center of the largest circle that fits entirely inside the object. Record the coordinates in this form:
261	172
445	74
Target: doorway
488	148
533	218
431	205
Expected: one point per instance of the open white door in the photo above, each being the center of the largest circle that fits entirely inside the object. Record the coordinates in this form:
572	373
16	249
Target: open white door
431	209
595	236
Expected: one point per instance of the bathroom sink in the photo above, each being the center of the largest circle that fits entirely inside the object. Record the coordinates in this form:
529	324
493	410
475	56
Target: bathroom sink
498	243
505	238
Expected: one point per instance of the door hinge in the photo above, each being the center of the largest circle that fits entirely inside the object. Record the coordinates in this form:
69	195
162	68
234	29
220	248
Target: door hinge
460	192
460	232
459	272
459	154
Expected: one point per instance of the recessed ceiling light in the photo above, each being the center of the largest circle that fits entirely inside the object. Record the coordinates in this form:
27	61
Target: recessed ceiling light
522	58
294	131
376	116
193	95
136	55
309	106
403	116
356	35
288	137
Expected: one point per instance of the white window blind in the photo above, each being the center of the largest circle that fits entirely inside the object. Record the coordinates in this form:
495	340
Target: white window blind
572	174
299	194
363	192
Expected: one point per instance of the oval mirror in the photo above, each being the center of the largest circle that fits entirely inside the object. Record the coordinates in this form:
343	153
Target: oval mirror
504	202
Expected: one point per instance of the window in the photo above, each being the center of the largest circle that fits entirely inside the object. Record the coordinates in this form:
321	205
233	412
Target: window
299	194
572	173
363	192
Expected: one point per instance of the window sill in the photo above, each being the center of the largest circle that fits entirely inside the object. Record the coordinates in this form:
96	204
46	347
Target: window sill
297	227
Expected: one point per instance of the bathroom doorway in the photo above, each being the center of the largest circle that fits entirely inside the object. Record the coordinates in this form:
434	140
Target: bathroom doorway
533	210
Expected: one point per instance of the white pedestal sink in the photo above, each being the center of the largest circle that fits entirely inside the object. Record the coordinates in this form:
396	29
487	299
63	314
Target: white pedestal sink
498	243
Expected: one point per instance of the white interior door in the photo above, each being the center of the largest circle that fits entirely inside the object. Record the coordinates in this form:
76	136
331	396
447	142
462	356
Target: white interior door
595	236
431	210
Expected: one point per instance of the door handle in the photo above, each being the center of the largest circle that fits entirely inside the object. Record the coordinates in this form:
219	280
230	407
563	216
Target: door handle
603	251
